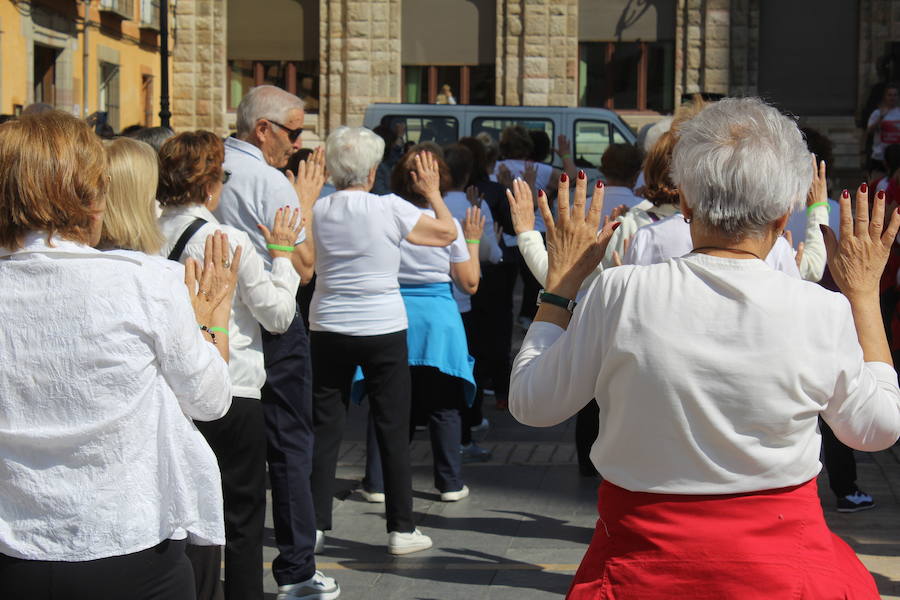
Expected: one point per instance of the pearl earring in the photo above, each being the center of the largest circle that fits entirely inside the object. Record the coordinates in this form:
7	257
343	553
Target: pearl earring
209	199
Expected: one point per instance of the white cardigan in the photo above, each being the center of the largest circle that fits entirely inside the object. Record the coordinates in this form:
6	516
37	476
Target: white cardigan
710	374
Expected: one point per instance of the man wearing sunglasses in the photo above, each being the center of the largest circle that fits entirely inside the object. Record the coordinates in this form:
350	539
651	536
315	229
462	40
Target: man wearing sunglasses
269	125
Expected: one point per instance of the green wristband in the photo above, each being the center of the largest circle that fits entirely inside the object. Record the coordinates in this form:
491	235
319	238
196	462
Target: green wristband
815	204
219	329
468	241
280	248
565	156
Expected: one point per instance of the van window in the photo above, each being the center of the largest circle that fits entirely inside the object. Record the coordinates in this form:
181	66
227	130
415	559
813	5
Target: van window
493	126
592	138
441	130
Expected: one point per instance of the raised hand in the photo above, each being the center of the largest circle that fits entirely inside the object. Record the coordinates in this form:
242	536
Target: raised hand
562	146
818	191
474	196
505	176
284	231
473	224
211	287
521	205
426	177
310	178
574	246
857	260
529	174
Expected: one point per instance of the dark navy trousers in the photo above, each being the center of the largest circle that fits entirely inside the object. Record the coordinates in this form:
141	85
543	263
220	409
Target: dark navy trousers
287	408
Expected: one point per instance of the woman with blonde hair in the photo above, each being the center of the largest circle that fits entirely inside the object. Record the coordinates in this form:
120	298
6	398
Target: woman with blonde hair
130	219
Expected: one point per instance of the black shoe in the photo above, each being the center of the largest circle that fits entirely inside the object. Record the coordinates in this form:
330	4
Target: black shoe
855	502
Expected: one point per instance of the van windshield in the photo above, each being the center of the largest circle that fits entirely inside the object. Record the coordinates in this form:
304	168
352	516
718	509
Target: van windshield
494	125
418	129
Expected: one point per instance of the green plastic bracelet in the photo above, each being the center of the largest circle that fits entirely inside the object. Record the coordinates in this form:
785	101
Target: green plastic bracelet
566	155
812	206
219	329
473	241
280	248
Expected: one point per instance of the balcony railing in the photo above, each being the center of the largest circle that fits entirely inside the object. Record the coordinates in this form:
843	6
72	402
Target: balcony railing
150	14
122	8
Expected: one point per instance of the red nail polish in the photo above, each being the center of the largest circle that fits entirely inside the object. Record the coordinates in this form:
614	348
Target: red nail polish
580	174
864	188
616	224
599	184
540	192
845	194
880	195
563	177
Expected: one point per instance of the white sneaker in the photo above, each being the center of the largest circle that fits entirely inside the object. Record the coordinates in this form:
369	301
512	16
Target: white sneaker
373	497
317	587
320	541
407	543
454	496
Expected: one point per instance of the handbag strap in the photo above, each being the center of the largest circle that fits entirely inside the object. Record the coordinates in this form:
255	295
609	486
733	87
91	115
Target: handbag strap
186	235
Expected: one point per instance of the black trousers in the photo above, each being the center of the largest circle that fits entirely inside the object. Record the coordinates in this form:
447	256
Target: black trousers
840	464
492	317
383	359
287	409
436	400
159	573
239	442
587	427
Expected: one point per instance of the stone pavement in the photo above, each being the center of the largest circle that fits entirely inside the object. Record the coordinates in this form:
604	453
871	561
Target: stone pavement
524	529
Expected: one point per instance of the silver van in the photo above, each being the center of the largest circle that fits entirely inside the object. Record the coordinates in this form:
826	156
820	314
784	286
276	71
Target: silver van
590	130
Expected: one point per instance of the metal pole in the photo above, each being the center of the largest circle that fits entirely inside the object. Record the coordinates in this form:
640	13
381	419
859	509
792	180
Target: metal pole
84	61
164	114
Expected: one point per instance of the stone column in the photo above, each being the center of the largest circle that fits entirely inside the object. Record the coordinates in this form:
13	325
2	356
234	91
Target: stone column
199	70
744	25
537	52
359	58
702	47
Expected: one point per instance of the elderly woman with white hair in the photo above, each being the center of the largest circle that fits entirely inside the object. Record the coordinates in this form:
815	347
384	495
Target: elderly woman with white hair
711	371
357	317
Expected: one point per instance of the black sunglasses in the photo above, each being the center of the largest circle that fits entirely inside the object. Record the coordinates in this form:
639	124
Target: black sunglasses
226	175
292	134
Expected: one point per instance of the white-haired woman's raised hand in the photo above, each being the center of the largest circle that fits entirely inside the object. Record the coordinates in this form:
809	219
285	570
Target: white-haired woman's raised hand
574	246
211	287
857	260
521	205
426	177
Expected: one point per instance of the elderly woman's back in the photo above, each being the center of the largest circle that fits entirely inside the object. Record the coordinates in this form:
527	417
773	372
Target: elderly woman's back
710	372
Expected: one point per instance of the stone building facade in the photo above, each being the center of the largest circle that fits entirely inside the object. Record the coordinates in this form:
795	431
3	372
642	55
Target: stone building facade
730	47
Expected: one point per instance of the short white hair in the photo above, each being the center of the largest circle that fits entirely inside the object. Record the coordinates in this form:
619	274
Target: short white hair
740	164
651	133
265	102
350	153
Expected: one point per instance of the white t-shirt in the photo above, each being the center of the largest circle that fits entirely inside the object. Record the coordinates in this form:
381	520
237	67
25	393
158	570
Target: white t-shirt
429	264
887	133
710	374
614	196
357	239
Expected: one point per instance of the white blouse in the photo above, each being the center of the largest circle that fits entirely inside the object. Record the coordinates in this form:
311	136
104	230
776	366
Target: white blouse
263	297
103	368
671	238
357	236
710	374
431	264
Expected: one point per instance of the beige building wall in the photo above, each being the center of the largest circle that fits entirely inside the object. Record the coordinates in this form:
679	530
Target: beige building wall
199	55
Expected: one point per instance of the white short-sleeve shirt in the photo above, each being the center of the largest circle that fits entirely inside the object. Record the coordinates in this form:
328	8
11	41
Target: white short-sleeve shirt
429	264
541	182
887	133
357	239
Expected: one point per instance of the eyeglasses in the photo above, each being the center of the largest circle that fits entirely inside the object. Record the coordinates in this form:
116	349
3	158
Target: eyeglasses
292	134
226	175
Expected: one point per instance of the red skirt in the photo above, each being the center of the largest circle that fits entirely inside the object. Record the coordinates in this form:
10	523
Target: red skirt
764	545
